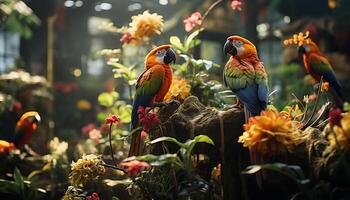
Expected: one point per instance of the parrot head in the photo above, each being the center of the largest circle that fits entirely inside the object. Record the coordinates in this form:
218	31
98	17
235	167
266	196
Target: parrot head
160	55
310	47
29	118
239	47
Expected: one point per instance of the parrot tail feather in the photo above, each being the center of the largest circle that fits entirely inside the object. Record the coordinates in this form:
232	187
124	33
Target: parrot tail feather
135	144
336	98
247	114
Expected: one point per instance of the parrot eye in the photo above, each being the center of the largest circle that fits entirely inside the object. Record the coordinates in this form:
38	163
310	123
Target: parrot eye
160	53
238	43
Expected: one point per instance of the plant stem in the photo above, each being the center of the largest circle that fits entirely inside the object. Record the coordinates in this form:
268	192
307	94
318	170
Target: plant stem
211	8
113	167
110	144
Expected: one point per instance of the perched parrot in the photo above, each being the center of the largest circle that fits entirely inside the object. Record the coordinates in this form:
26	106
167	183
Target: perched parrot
22	132
245	75
151	86
317	65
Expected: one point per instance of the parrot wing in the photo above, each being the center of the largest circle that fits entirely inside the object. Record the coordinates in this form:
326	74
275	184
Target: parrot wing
321	66
148	85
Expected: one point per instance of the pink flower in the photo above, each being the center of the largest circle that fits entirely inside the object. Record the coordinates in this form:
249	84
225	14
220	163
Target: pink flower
335	116
104	128
113	119
126	37
236	5
192	21
87	128
134	167
95	135
147	119
313	97
144	135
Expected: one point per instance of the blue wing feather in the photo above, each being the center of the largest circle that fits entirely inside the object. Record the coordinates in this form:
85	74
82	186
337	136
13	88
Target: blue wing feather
254	97
330	77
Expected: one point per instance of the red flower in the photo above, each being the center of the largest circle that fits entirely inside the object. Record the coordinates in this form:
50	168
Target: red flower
94	196
134	167
104	128
113	119
87	128
147	119
335	116
126	37
236	5
192	21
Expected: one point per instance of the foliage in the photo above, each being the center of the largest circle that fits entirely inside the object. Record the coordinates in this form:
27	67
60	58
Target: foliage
23	189
18	17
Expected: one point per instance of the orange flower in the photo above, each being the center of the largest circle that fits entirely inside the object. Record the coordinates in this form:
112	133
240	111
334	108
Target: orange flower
179	90
146	25
298	39
325	86
270	134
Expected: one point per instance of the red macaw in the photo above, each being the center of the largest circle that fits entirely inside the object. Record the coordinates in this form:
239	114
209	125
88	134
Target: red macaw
25	127
245	75
317	65
152	86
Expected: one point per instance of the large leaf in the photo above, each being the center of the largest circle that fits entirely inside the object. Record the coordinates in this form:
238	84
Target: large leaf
189	42
17	176
107	98
294	172
167	139
176	43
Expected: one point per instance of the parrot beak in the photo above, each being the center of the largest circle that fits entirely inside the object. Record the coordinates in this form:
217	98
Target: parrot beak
170	56
229	48
301	51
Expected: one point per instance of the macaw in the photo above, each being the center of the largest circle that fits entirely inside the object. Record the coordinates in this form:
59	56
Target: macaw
245	75
317	65
22	132
151	86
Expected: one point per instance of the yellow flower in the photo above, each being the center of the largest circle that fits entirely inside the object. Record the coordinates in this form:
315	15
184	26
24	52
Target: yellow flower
146	25
270	134
179	90
340	135
83	104
89	167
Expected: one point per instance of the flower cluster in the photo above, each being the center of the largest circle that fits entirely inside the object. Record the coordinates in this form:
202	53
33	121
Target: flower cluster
192	21
144	25
134	167
298	39
179	90
95	135
340	134
146	118
271	133
87	168
57	148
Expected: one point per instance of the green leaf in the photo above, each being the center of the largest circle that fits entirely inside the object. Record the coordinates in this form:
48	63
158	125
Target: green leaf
190	144
167	139
158	161
176	43
189	41
107	98
17	176
294	172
